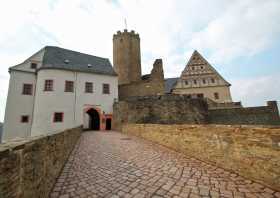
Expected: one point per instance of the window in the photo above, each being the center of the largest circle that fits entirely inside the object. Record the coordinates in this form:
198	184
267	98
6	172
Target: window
33	66
216	95
200	95
58	117
201	67
89	87
186	82
192	68
24	119
195	82
27	89
204	81
106	89
48	85
212	80
69	86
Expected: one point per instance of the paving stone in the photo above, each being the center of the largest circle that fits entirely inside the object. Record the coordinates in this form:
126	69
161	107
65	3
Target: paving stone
112	165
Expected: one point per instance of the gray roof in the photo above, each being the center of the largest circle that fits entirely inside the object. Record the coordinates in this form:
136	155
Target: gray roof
169	84
60	58
146	76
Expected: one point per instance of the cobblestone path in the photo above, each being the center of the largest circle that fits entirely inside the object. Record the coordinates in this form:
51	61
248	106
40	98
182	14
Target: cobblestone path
111	164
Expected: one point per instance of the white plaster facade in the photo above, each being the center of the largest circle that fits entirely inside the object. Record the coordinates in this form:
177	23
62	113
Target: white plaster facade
41	105
72	104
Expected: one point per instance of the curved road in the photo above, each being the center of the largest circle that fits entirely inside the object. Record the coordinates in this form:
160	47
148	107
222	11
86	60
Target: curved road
111	164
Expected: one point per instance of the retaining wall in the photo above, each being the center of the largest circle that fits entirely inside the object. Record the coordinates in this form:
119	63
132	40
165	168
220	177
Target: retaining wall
253	152
166	109
29	168
263	115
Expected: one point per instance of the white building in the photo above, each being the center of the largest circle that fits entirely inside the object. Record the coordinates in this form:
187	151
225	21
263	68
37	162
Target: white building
56	89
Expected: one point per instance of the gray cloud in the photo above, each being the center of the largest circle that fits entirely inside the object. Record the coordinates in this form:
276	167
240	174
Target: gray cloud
171	30
256	90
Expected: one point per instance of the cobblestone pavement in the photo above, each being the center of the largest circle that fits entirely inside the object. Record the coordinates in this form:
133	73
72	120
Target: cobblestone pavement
111	164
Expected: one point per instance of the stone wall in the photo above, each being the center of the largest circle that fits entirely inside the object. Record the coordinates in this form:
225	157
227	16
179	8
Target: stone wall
265	115
253	152
29	168
151	84
180	109
224	105
166	109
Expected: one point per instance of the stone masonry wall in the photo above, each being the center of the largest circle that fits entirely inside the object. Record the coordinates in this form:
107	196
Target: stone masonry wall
253	152
265	115
179	109
166	109
29	168
153	85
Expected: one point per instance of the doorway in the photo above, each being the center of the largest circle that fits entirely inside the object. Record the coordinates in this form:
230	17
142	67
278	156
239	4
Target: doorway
108	123
94	119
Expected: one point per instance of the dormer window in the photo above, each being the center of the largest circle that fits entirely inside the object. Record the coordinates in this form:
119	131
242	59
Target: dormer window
33	65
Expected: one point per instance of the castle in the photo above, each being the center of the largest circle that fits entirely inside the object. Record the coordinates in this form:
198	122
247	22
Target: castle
57	89
199	96
198	80
127	64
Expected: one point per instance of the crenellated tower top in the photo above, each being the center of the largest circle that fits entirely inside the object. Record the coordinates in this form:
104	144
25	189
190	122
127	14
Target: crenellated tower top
120	34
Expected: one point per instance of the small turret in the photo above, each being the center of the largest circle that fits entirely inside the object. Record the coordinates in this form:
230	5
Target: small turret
157	71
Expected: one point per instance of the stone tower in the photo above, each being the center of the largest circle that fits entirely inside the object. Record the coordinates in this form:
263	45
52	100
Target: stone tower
127	57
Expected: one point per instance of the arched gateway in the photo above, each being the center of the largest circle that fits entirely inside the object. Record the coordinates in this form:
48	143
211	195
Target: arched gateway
94	119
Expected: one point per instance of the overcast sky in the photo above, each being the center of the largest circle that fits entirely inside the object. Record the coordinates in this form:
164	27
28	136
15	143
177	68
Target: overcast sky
240	38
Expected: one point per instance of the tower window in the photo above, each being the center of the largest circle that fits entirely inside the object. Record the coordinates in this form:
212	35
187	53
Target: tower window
48	85
27	89
58	117
216	96
24	119
33	66
201	67
69	86
212	80
89	87
193	68
106	89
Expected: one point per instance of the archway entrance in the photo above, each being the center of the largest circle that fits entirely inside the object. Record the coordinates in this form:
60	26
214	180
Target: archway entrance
94	119
108	123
